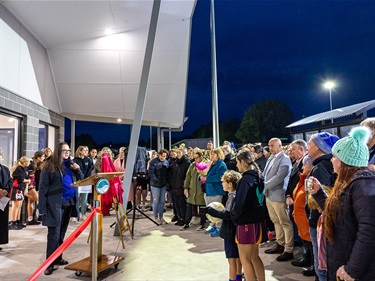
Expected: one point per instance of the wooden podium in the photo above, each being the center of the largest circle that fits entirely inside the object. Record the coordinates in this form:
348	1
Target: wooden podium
103	262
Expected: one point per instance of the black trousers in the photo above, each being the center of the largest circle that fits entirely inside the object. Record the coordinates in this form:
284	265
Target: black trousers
4	226
180	203
55	236
189	213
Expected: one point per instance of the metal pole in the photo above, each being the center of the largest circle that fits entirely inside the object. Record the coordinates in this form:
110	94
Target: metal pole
330	103
170	139
73	135
136	128
150	137
94	244
215	110
159	146
330	98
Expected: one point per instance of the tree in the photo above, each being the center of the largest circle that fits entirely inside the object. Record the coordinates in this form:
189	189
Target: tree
227	130
265	120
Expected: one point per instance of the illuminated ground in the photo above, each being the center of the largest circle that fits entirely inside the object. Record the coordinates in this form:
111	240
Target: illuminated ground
157	253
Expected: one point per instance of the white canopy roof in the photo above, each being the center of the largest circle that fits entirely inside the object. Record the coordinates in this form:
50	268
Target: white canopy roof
356	109
96	51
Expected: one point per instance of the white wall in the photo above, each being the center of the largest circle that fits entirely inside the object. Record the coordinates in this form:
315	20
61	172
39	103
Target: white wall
24	64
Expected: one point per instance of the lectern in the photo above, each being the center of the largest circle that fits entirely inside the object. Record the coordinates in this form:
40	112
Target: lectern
96	262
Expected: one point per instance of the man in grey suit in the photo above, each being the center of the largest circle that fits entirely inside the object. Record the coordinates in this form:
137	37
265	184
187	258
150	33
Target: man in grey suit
276	178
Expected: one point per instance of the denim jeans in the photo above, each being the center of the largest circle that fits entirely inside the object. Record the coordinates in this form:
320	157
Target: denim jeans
158	193
322	274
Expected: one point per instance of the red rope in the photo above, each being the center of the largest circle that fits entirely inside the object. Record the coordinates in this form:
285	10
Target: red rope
64	245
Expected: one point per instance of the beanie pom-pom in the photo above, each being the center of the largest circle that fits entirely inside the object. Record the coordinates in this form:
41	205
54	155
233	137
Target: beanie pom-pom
362	134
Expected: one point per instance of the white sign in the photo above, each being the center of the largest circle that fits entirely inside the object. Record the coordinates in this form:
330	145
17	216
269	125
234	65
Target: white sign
85	189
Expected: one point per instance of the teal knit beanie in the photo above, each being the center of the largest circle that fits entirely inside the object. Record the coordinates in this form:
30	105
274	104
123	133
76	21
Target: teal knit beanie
352	150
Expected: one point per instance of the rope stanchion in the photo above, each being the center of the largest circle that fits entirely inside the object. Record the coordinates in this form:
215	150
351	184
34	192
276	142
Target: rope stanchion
64	245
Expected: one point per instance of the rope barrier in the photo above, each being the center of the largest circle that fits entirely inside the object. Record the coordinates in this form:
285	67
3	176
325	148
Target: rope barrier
64	245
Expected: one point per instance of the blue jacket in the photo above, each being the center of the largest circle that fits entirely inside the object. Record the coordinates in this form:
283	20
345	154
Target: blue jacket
213	180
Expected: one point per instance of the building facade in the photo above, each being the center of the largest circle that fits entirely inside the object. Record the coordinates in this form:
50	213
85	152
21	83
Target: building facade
28	100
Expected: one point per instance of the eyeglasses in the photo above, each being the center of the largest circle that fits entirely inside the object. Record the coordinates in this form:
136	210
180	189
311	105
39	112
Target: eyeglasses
66	150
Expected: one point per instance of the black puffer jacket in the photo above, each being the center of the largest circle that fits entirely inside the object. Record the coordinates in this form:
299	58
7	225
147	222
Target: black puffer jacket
177	174
158	172
354	241
323	171
231	163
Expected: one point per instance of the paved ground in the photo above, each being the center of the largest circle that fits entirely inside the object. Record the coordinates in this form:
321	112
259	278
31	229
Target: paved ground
157	253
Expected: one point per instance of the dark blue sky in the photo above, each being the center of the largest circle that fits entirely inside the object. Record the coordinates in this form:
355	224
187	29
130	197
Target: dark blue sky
280	50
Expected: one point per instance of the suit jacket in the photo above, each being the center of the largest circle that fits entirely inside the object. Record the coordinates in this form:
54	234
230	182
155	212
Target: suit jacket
276	176
294	177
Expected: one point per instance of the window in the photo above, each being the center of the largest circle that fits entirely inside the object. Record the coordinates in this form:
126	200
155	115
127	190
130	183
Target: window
9	138
309	134
43	137
344	130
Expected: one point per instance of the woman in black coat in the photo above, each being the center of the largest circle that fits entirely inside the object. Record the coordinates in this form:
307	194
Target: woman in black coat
6	183
177	175
57	198
349	216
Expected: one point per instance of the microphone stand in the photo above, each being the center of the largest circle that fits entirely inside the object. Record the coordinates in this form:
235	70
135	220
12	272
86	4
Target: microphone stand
135	208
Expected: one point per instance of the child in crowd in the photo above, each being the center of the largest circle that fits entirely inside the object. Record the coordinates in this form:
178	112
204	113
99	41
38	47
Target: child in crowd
228	229
20	182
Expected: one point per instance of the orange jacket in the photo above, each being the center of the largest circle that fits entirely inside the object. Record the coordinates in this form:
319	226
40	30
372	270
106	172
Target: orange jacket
299	214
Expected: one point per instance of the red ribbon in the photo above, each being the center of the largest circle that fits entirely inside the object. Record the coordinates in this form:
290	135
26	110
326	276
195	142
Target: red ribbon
64	245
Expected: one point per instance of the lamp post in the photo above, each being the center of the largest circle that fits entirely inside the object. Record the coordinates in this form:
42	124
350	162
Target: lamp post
329	85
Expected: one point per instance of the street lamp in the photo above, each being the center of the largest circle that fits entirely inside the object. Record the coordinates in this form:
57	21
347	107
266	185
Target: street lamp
329	85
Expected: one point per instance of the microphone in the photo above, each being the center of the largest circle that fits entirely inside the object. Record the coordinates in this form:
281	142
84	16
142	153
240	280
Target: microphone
71	162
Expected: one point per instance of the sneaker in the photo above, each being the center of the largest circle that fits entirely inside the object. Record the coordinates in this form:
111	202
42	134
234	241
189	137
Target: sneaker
271	235
82	217
73	219
174	219
60	262
215	233
196	220
186	226
49	270
33	222
285	257
209	230
179	222
14	226
162	221
20	224
200	228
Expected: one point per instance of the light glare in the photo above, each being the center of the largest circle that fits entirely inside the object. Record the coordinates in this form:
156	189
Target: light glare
329	85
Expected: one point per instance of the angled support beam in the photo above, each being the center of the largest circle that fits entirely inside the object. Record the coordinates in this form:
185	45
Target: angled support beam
136	128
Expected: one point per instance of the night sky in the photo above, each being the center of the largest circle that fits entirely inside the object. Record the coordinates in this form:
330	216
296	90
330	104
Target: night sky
281	50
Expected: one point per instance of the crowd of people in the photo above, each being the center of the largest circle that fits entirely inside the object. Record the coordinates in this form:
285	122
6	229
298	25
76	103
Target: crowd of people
318	195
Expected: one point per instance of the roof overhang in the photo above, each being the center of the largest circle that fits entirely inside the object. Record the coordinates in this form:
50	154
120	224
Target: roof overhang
356	109
96	51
